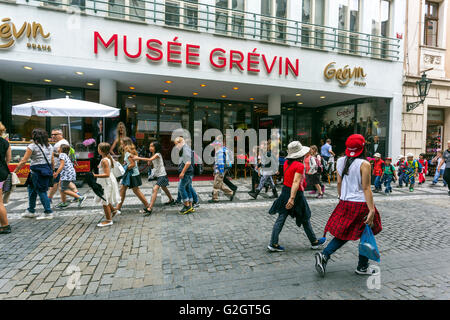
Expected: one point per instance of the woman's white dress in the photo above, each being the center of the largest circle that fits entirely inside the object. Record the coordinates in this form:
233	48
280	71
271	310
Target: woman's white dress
110	187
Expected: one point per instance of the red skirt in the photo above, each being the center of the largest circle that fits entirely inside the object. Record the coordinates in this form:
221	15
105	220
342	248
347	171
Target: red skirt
347	220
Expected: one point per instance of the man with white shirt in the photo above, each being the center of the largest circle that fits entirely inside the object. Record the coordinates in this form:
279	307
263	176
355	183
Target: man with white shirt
57	137
446	160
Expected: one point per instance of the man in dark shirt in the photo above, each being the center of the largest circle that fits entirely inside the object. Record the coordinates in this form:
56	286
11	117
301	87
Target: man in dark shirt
446	160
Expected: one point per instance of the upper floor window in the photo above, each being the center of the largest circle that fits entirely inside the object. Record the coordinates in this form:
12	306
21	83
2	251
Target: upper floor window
271	27
229	18
381	24
182	13
349	20
313	12
431	23
125	9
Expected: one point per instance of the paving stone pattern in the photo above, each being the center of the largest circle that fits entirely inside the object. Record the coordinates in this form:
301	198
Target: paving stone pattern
219	252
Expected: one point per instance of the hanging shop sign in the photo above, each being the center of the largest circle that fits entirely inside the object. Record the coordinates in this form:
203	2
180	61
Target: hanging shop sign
175	52
10	34
345	75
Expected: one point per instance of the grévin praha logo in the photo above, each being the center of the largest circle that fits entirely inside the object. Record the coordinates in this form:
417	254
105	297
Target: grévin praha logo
10	34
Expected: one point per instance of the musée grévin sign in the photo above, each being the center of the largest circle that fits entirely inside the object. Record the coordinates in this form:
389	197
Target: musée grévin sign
177	53
345	75
10	34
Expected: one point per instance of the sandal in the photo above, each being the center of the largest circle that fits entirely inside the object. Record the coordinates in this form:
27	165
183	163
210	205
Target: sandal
5	229
170	203
147	212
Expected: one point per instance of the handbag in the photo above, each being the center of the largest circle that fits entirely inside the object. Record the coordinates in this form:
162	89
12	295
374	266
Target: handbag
51	169
118	169
14	179
368	245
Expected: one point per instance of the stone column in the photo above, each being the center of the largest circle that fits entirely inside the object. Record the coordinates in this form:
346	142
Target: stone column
274	101
108	92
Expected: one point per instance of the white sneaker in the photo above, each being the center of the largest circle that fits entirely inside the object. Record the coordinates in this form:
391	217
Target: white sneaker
28	214
45	216
110	223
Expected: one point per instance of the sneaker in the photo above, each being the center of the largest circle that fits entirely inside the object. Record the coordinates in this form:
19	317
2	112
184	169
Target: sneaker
28	214
147	212
81	200
365	271
192	210
276	248
62	205
321	242
45	216
186	210
213	201
321	263
232	196
102	224
411	189
196	204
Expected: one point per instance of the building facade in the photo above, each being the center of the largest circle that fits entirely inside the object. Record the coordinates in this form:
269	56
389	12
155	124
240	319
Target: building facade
313	68
427	128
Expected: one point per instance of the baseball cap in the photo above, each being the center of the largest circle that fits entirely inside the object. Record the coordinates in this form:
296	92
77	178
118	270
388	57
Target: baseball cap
355	145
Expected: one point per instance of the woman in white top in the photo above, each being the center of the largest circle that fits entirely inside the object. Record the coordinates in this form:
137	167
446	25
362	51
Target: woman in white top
355	208
159	172
108	181
40	154
313	164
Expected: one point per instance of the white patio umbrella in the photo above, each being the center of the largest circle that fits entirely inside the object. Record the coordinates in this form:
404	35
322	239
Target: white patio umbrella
66	107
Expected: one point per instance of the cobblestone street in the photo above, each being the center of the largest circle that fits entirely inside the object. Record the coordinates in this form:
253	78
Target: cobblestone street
219	252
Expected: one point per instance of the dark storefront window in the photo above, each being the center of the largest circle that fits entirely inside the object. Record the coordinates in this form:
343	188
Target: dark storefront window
237	116
287	125
141	114
373	122
21	127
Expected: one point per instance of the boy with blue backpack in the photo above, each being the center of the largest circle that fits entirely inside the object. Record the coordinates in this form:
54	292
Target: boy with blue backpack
223	162
388	175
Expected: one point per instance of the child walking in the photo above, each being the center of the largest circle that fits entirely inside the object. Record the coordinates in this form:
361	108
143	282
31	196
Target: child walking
108	181
424	170
266	171
378	164
411	168
388	176
401	170
160	173
68	175
132	178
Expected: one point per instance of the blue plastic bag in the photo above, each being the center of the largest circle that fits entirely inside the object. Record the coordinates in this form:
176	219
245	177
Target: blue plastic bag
368	245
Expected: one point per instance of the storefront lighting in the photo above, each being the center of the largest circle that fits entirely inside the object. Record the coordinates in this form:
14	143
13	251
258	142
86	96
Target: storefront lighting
203	85
130	97
90	84
166	91
47	80
423	87
28	68
195	93
300	103
79	73
68	92
168	81
252	99
131	88
322	97
235	88
298	94
223	96
28	99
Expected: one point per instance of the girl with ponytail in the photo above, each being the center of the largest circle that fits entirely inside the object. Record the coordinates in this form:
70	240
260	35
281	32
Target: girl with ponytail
108	181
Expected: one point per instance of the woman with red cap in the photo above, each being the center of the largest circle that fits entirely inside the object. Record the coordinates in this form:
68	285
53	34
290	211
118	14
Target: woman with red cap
355	208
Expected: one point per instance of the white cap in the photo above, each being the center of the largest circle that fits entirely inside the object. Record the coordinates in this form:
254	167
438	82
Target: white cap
400	156
409	155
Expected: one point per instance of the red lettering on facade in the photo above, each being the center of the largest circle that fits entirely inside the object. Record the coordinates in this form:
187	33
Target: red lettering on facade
98	37
192	54
237	62
132	56
250	61
223	60
151	48
291	67
269	69
171	51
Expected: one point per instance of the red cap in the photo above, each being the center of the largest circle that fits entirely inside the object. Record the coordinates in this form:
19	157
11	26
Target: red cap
355	145
388	158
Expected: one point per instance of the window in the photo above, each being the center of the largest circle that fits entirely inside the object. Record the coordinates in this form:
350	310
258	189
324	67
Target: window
129	9
230	17
313	13
348	20
381	16
273	29
21	127
431	24
182	12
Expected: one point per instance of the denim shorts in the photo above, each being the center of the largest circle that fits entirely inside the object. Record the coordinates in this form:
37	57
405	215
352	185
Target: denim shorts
65	185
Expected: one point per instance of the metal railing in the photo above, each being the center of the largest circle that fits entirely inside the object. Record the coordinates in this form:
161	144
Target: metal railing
191	15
